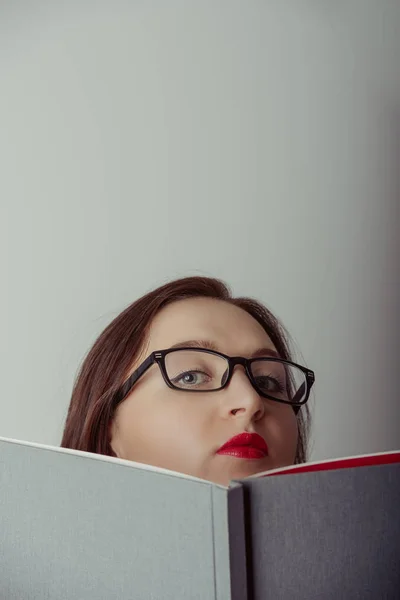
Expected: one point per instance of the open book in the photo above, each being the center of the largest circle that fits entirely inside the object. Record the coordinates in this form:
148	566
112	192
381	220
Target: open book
76	525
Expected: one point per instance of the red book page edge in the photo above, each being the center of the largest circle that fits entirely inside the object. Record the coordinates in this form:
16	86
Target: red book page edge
340	463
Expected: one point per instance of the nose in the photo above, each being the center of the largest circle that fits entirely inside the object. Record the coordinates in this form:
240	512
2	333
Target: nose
242	400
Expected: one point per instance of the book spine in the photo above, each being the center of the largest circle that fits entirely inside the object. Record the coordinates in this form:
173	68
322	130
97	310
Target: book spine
238	558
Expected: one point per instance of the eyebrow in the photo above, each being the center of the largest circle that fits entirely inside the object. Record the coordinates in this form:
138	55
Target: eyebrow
208	345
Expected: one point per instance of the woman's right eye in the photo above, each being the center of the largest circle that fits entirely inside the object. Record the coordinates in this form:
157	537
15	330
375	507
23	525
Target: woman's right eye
191	378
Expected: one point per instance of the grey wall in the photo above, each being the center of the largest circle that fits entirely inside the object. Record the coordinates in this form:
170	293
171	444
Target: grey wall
253	140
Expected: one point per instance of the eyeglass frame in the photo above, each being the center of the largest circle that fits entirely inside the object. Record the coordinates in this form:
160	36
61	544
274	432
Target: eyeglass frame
158	357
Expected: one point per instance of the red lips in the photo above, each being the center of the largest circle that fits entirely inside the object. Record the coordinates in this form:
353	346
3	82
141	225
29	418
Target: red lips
245	445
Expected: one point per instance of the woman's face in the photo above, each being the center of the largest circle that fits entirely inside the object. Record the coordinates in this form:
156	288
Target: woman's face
182	431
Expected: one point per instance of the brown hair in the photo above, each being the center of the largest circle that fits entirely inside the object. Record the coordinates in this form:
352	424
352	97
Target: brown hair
107	364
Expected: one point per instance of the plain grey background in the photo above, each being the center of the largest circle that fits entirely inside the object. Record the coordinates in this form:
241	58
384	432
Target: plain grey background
256	141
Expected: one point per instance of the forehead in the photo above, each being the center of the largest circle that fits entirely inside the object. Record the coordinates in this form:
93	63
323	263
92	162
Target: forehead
231	329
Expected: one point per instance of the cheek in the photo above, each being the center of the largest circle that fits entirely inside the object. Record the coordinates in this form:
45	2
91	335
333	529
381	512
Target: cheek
283	432
149	424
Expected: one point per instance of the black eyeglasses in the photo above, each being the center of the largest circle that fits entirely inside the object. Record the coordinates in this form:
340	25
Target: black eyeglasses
201	370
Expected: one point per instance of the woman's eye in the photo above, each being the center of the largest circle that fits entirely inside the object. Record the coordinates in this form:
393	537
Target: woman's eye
191	378
270	384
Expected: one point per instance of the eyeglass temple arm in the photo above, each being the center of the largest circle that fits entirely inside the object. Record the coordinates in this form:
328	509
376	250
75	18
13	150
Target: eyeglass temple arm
132	379
298	394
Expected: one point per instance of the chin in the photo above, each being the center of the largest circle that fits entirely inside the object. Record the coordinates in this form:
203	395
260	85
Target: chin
245	469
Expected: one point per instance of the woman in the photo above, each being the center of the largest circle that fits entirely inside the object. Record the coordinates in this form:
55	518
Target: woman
190	379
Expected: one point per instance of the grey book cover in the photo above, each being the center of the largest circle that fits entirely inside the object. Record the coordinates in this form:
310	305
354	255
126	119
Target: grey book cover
79	526
325	535
76	525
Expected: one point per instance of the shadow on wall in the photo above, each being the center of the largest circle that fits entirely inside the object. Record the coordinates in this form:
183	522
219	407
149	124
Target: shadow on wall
393	292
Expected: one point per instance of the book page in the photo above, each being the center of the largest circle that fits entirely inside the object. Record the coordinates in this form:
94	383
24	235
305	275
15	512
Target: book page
377	458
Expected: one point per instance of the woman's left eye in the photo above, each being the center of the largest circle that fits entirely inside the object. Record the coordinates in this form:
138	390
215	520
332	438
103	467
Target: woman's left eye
269	384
